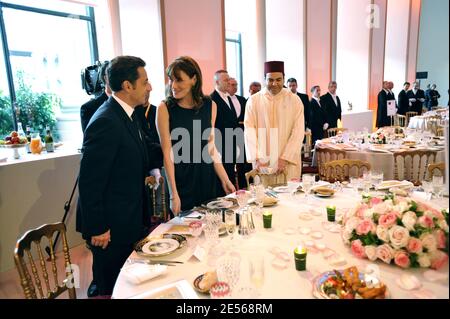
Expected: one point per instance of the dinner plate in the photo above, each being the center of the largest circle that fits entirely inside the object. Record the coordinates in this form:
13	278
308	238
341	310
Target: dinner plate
160	247
323	195
165	247
393	183
281	189
220	204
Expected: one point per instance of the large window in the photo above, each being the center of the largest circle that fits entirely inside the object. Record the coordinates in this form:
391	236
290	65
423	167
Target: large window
234	58
44	61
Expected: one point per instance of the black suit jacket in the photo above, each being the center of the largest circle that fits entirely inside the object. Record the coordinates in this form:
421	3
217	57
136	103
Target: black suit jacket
334	111
113	167
226	118
318	118
417	105
89	108
403	103
382	117
306	109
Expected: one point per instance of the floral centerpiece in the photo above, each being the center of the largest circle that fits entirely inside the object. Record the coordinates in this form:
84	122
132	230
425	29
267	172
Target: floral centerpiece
397	230
379	137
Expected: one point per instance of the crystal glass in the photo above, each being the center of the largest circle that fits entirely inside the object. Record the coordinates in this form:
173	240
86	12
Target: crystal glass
260	195
427	188
230	223
292	185
257	266
195	229
377	177
242	198
355	182
228	270
438	185
308	181
211	234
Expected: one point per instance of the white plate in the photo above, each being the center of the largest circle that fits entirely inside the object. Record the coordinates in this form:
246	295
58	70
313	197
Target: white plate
281	189
389	184
161	246
218	204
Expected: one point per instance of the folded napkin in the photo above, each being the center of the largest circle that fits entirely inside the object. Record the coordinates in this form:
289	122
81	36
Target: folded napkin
139	273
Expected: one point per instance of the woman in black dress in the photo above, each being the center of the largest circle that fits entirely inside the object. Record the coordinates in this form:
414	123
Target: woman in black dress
185	122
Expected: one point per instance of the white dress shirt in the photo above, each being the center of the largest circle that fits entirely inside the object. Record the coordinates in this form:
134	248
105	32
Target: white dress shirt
318	100
224	97
236	104
128	109
334	96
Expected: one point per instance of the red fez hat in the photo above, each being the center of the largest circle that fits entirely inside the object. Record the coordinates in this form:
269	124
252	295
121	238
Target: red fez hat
273	66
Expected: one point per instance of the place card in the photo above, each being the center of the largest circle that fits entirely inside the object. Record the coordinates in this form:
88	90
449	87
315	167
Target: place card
317	235
199	253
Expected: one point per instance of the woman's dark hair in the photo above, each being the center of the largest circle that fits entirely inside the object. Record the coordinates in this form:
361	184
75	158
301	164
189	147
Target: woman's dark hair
123	68
191	68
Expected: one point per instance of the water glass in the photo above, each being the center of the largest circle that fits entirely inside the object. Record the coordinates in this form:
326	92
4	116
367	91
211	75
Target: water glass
427	188
377	178
308	181
242	198
256	264
230	222
438	185
228	270
292	185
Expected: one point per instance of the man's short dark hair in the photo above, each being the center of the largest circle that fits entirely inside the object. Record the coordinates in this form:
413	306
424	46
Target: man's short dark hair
314	88
292	80
406	83
123	68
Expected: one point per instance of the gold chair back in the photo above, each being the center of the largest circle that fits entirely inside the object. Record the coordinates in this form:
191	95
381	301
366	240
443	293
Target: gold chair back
158	216
341	170
325	155
307	147
335	131
412	165
409	115
266	179
440	131
436	167
33	287
398	120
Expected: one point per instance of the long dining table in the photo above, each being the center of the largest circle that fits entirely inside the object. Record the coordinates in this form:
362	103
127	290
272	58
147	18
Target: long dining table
287	232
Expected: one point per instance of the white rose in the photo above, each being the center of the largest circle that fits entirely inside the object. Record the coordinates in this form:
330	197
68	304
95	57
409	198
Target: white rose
429	242
346	235
429	213
351	223
371	252
424	260
442	223
380	209
368	213
409	220
389	203
383	233
385	253
399	236
401	207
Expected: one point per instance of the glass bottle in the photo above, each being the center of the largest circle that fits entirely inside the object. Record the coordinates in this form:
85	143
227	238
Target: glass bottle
28	136
20	130
49	140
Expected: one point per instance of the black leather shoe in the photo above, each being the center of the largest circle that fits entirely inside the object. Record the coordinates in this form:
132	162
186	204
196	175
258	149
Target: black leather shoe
92	290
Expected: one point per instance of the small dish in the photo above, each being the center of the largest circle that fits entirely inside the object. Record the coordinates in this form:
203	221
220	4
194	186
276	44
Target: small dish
197	287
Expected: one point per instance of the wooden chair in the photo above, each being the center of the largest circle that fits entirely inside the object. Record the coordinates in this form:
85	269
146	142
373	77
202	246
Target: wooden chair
409	115
398	120
39	270
335	131
159	216
307	147
406	168
432	168
325	155
341	170
266	179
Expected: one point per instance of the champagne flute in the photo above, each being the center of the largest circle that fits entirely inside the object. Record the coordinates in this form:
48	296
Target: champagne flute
230	223
257	272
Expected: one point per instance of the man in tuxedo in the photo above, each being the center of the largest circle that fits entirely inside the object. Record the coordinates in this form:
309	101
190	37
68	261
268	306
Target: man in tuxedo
433	97
89	108
332	105
382	118
113	168
319	116
238	103
403	102
416	97
254	87
226	121
292	85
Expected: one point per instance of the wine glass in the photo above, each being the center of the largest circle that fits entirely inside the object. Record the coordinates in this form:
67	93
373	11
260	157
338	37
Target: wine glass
242	198
230	223
428	189
438	185
228	270
377	177
292	185
308	181
257	272
195	229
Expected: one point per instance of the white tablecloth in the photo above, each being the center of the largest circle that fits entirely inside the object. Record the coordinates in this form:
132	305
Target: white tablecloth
289	283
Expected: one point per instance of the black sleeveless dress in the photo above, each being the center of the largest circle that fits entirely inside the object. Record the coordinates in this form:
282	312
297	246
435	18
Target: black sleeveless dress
194	169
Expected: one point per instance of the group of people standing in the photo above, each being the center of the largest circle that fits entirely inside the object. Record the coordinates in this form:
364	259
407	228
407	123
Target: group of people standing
409	100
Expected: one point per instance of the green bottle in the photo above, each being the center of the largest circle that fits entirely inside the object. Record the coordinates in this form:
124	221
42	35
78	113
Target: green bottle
48	139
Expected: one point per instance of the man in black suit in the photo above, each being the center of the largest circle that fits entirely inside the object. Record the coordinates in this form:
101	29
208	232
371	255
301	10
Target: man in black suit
89	108
319	117
434	97
292	85
416	97
238	103
403	102
332	105
113	168
226	121
384	95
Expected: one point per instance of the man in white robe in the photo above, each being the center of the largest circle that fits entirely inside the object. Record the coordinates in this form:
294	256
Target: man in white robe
275	126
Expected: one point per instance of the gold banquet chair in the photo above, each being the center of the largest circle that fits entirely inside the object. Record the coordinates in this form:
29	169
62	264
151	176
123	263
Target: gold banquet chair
341	170
398	120
436	168
266	179
158	216
325	155
440	131
409	115
412	165
32	287
335	131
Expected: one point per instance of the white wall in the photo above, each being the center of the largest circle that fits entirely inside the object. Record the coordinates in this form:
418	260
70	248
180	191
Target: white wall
285	36
353	82
433	45
140	23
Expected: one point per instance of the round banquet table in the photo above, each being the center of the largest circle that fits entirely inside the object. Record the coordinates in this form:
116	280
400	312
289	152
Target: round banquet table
379	157
287	283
